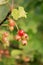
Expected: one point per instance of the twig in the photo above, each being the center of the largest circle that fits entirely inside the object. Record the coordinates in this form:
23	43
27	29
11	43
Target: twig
4	25
17	26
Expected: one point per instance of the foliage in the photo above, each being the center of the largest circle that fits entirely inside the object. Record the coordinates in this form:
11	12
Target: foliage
32	25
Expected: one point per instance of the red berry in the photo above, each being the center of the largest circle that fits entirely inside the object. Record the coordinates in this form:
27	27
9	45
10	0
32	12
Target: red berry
25	35
4	39
5	34
24	42
20	32
11	28
6	52
11	22
17	37
1	51
26	59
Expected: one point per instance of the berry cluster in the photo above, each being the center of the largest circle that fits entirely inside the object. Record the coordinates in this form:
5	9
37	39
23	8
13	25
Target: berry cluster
5	39
25	59
22	36
11	24
4	53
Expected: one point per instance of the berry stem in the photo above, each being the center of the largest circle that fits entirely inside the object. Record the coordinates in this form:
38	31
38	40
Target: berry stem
4	25
17	26
11	6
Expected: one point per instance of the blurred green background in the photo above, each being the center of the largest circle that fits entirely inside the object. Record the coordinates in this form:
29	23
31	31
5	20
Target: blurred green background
32	25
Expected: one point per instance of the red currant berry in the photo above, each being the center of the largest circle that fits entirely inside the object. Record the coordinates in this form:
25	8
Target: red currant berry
11	28
17	37
11	22
5	34
1	51
24	42
4	39
26	59
6	52
25	35
20	32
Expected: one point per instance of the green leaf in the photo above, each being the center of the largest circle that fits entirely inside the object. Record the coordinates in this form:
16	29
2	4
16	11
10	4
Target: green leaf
14	53
22	12
4	9
15	14
18	13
